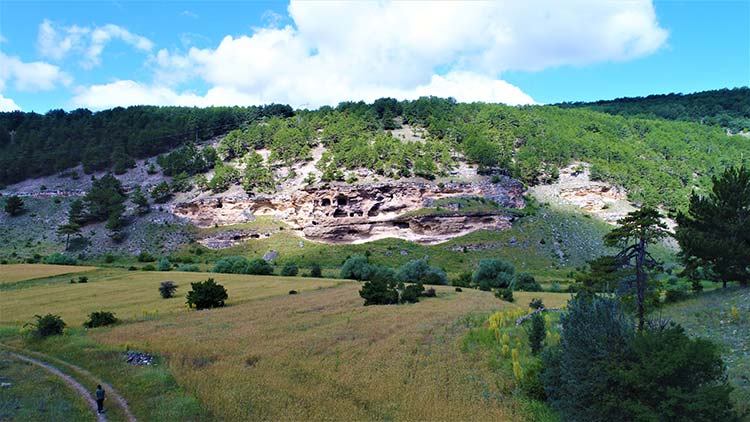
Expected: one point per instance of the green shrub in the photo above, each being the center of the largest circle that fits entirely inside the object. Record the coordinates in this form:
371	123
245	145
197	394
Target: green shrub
206	295
379	292
59	259
463	280
676	293
411	293
429	293
536	333
164	265
536	303
258	266
289	269
531	384
167	289
47	325
148	267
418	271
189	268
504	294
356	268
315	271
83	279
493	274
100	319
526	282
145	257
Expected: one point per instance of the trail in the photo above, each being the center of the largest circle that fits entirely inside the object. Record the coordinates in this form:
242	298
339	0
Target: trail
112	395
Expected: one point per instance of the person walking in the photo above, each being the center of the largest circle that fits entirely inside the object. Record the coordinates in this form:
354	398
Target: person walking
100	394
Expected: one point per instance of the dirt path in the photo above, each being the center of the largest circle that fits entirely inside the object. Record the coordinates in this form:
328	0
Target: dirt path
112	395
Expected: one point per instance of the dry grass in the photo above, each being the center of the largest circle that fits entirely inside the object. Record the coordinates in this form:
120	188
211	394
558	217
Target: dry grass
20	272
128	294
322	355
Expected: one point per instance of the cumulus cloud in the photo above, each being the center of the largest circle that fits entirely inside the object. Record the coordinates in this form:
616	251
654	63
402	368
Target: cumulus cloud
56	42
337	51
7	104
30	76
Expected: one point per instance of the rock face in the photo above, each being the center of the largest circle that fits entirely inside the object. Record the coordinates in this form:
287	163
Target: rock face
344	213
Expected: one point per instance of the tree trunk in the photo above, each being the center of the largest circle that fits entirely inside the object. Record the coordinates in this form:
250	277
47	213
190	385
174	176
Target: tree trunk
640	283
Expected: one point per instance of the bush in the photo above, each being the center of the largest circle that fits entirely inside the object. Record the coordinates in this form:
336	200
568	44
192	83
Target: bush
356	268
603	370
536	334
411	293
145	257
463	280
164	265
289	269
430	293
189	268
418	271
48	325
148	267
379	292
206	295
504	294
83	279
493	274
167	289
315	271
676	293
458	289
100	319
292	292
258	266
526	282
536	303
59	259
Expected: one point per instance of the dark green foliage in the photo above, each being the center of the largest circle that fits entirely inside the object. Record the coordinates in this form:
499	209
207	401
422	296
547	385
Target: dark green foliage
463	280
83	279
418	271
206	295
258	266
602	370
356	268
536	303
241	265
148	267
493	274
429	293
315	271
256	177
729	108
164	265
531	384
190	268
504	294
411	293
458	289
167	289
100	319
187	159
105	201
59	259
47	325
676	293
379	292
715	231
289	269
140	201
14	205
536	333
145	257
526	282
224	177
604	275
161	192
77	213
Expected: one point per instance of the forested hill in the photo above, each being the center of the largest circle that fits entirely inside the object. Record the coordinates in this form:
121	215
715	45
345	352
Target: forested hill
658	161
34	144
728	108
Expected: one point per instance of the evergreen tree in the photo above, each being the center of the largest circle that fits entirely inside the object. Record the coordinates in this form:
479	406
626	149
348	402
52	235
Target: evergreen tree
105	198
715	231
14	206
77	212
67	230
636	231
140	201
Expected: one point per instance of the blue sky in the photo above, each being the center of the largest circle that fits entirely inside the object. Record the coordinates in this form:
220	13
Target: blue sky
103	54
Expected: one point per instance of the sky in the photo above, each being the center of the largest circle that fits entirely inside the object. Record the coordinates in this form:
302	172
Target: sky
102	54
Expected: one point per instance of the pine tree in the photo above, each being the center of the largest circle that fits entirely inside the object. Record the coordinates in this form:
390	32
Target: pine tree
14	206
67	230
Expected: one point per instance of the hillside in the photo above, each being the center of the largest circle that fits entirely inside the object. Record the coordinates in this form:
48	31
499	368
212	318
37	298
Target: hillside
727	108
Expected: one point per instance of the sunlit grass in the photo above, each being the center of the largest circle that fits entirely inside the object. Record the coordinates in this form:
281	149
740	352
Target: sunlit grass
20	272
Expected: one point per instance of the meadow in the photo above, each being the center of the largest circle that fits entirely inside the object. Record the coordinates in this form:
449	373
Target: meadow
319	354
21	272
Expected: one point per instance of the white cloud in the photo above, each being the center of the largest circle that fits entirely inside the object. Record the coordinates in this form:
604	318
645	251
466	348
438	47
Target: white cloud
339	51
7	104
30	76
56	42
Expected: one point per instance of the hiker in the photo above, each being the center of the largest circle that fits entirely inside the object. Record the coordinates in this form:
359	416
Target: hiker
99	399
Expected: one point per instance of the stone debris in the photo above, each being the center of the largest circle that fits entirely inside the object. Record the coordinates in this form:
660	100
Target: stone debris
270	255
139	358
6	385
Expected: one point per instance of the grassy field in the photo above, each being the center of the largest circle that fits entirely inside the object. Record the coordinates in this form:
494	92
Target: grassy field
709	315
21	272
36	395
319	354
133	295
